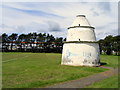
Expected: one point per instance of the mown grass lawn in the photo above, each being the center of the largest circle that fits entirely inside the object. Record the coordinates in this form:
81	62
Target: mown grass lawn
110	60
111	82
34	70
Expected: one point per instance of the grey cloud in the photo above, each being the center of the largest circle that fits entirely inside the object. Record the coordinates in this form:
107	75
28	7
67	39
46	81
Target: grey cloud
105	30
104	6
16	28
114	32
20	28
48	26
101	35
6	26
104	33
106	26
31	27
54	26
84	2
94	12
101	27
38	27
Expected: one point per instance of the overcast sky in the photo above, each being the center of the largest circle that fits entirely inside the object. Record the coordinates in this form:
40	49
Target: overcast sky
56	17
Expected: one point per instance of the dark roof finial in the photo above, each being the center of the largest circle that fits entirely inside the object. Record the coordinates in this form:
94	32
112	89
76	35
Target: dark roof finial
80	16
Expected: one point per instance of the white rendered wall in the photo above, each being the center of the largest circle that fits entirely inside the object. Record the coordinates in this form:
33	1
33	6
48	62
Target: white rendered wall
81	54
80	20
84	34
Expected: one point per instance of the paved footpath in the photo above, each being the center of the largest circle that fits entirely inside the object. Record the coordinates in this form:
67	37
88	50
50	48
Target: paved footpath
85	81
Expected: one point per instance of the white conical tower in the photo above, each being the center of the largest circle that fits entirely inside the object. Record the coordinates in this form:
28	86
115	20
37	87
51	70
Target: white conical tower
81	48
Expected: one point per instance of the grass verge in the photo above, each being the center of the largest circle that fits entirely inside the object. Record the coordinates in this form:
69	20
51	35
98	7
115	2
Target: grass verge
111	82
34	70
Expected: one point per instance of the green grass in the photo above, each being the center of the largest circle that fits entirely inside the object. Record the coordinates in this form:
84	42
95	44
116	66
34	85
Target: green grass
111	82
34	70
110	60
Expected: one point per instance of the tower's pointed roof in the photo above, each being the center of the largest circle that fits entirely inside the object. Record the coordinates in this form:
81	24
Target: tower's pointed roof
80	20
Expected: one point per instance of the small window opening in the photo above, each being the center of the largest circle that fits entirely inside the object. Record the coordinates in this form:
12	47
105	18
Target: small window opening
79	24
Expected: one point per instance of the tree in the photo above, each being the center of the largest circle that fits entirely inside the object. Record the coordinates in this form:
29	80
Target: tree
52	38
4	37
64	39
101	45
4	42
116	44
108	43
41	37
21	38
59	39
12	38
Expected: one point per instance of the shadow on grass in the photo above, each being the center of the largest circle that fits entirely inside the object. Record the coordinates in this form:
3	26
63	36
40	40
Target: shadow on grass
103	63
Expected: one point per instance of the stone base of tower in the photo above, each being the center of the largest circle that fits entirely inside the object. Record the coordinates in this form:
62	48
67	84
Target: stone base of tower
81	54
